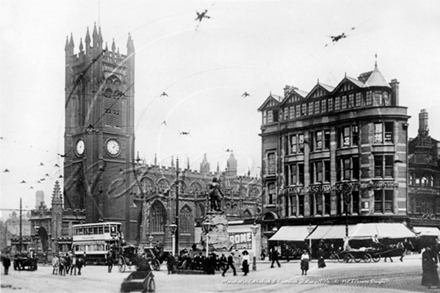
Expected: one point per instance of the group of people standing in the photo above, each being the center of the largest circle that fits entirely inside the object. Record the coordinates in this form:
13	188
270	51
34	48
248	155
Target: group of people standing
63	264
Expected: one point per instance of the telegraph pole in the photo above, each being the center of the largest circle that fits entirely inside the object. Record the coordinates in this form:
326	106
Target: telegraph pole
20	235
177	206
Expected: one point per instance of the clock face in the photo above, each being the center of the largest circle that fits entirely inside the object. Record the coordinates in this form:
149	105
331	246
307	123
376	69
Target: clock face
80	147
113	147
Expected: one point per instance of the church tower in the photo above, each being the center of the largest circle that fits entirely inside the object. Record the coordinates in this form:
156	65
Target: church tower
99	131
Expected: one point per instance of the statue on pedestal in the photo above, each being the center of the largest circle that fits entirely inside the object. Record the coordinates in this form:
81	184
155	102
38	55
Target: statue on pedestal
215	195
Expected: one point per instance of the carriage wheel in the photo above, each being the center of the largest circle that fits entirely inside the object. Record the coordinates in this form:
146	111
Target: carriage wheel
348	257
357	259
367	257
121	264
156	264
334	257
151	286
376	257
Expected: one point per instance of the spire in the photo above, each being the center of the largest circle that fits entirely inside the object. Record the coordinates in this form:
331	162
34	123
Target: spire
95	33
155	159
172	162
87	39
130	45
100	36
81	47
106	47
375	61
113	46
71	41
187	163
67	43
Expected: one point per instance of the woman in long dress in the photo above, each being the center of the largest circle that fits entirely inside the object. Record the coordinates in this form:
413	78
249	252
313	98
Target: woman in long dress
429	267
245	263
305	262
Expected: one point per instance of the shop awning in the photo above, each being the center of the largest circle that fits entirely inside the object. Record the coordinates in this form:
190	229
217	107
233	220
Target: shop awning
427	231
382	230
330	232
291	233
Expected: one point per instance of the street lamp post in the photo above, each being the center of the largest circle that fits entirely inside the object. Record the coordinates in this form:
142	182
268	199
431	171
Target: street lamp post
206	227
254	230
177	208
173	228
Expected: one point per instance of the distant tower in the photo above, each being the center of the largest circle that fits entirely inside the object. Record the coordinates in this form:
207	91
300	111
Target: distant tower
99	131
39	196
204	166
57	214
231	166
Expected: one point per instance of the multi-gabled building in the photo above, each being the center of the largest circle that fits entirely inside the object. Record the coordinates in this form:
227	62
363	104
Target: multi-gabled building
335	155
424	177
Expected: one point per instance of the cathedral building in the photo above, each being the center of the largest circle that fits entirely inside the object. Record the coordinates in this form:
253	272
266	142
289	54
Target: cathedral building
162	190
336	154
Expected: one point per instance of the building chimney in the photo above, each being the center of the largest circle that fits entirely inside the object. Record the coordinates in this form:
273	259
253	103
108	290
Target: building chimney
395	93
423	122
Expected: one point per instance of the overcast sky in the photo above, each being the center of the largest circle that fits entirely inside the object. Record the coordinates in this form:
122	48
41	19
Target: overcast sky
253	46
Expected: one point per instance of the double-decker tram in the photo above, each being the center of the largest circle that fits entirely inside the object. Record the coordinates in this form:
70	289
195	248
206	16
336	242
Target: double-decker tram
95	240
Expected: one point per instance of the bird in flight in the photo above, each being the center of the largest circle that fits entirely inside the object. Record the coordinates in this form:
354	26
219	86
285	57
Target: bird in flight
337	38
201	16
41	164
245	95
164	94
229	151
184	133
164	123
23	181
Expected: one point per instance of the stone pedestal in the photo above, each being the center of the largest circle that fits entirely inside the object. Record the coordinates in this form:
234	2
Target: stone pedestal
218	233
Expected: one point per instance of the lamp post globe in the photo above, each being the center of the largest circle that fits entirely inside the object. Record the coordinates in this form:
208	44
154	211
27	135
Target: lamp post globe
173	228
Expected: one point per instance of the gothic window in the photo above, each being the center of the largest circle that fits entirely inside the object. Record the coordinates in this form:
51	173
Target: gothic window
147	185
195	187
157	218
163	185
108	101
186	221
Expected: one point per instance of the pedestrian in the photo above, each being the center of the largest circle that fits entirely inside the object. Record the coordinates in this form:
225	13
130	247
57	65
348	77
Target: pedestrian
68	261
305	262
73	266
84	259
230	264
245	263
62	263
79	264
429	267
55	264
275	257
6	263
171	262
109	261
321	261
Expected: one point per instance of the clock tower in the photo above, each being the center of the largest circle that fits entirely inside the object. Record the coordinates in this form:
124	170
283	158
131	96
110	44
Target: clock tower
99	131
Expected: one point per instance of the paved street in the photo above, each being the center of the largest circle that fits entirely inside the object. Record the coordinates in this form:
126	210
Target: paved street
336	277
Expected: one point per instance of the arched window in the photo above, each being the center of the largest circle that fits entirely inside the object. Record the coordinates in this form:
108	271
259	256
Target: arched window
163	185
186	220
157	218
